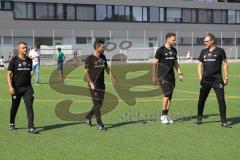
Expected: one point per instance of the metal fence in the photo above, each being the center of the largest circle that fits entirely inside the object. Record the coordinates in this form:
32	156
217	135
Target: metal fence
139	45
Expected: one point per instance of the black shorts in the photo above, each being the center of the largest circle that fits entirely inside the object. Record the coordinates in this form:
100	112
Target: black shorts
167	88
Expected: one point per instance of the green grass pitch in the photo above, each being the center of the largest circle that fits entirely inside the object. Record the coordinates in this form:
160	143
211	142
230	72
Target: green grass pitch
134	132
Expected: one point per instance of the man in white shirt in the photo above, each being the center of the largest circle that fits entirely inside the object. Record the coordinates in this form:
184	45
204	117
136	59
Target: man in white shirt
34	54
2	61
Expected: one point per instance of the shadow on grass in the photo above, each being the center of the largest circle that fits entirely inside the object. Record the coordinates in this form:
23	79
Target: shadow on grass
57	126
234	120
194	118
125	123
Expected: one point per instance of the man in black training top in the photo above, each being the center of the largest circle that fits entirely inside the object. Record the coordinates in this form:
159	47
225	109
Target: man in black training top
95	65
164	62
19	83
210	76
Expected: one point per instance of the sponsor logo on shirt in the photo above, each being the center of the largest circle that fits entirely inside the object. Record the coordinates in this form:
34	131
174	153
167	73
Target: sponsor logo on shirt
170	58
24	66
99	63
209	60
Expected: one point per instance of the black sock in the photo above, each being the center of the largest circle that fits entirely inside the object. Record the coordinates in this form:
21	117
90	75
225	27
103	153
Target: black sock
165	112
99	121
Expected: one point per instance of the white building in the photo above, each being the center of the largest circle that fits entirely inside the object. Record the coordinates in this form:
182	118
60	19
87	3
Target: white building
75	24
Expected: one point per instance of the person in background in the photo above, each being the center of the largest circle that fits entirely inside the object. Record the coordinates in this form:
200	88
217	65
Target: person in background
60	59
2	62
34	54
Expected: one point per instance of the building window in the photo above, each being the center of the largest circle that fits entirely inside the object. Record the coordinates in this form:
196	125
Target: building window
145	13
101	12
83	40
174	15
189	15
7	5
23	10
119	13
20	10
109	12
231	16
238	16
187	41
205	16
238	41
228	41
162	14
152	42
70	9
45	11
30	11
219	16
234	1
85	12
127	13
137	14
7	40
154	14
59	11
44	41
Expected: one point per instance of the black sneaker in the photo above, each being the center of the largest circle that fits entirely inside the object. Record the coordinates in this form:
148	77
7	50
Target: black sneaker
12	127
102	128
199	120
88	122
226	125
33	130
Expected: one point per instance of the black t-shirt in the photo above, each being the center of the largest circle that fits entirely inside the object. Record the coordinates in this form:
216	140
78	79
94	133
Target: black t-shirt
167	58
96	66
212	64
21	70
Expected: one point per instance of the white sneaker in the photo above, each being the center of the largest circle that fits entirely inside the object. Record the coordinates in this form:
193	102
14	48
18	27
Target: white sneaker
164	119
169	120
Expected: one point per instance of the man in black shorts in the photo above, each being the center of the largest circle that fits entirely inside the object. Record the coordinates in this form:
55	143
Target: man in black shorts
164	62
95	65
210	76
19	83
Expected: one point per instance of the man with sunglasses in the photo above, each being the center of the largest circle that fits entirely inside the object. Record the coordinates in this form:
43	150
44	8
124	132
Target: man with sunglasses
210	76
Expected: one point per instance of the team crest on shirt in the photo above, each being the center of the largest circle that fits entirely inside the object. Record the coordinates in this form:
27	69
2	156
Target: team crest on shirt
24	63
170	53
96	63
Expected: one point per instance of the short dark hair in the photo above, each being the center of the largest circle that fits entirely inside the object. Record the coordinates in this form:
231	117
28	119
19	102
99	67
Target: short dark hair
211	36
2	57
59	49
97	42
24	43
170	34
